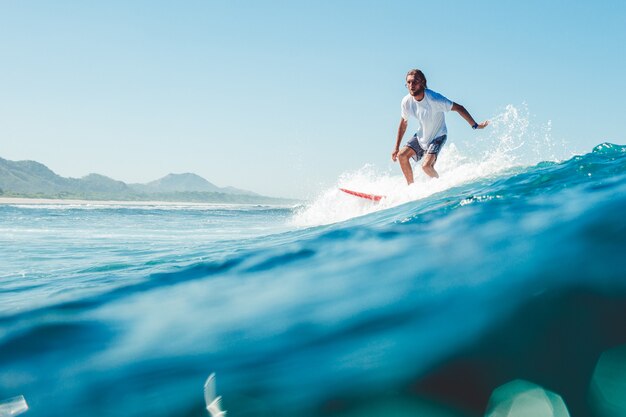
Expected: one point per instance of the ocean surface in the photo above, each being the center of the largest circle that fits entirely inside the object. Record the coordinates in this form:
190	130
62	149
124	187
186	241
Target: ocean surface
505	269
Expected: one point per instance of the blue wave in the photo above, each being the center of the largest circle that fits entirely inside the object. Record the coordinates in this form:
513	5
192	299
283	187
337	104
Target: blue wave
486	282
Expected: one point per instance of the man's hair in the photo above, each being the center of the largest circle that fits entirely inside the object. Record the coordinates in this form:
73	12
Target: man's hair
419	74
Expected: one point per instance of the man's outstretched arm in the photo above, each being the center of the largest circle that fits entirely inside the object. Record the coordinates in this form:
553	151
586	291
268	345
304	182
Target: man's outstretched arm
468	117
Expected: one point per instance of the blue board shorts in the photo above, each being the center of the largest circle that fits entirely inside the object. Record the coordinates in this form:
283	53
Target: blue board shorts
433	148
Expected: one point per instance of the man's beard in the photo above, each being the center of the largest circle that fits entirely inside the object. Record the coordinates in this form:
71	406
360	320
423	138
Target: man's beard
417	92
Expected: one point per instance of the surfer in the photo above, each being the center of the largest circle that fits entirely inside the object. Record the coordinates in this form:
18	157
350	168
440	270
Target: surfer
429	108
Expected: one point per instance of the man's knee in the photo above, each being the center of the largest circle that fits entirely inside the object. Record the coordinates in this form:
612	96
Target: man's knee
406	153
429	160
429	166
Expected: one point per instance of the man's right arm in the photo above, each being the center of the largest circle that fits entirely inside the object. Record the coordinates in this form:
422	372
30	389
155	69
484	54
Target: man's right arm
401	130
468	118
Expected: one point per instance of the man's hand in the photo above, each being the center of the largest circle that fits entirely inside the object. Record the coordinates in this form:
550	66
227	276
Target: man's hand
483	124
394	155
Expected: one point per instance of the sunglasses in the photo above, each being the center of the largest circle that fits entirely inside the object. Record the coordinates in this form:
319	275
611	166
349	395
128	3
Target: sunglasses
417	81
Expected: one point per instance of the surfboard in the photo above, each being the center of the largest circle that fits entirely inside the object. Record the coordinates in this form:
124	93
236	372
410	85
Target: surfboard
366	196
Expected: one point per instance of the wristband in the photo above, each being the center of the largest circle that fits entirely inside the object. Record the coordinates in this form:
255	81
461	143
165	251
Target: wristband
475	126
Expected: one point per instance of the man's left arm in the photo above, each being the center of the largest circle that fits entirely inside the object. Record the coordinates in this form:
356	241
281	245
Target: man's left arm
468	117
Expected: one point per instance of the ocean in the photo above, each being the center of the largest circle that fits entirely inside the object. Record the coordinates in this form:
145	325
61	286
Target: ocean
498	288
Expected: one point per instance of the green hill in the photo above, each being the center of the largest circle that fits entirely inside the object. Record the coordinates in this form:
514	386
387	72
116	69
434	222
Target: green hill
31	179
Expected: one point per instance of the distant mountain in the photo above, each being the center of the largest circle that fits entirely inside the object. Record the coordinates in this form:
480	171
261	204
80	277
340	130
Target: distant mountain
180	182
35	180
187	182
30	177
102	184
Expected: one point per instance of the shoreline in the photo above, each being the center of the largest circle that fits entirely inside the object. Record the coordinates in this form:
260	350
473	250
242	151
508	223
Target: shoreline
78	202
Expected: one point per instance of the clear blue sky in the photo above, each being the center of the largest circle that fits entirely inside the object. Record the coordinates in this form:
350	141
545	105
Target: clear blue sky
281	97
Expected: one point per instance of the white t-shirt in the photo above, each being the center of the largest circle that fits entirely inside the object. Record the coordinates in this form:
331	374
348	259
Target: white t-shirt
429	113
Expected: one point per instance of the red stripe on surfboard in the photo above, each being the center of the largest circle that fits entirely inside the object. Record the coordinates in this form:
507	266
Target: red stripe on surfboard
373	197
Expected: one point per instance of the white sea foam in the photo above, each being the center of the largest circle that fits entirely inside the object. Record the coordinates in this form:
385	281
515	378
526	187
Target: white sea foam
511	140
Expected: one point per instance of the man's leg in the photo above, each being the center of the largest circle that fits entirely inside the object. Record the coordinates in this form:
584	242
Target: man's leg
431	156
429	165
404	157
